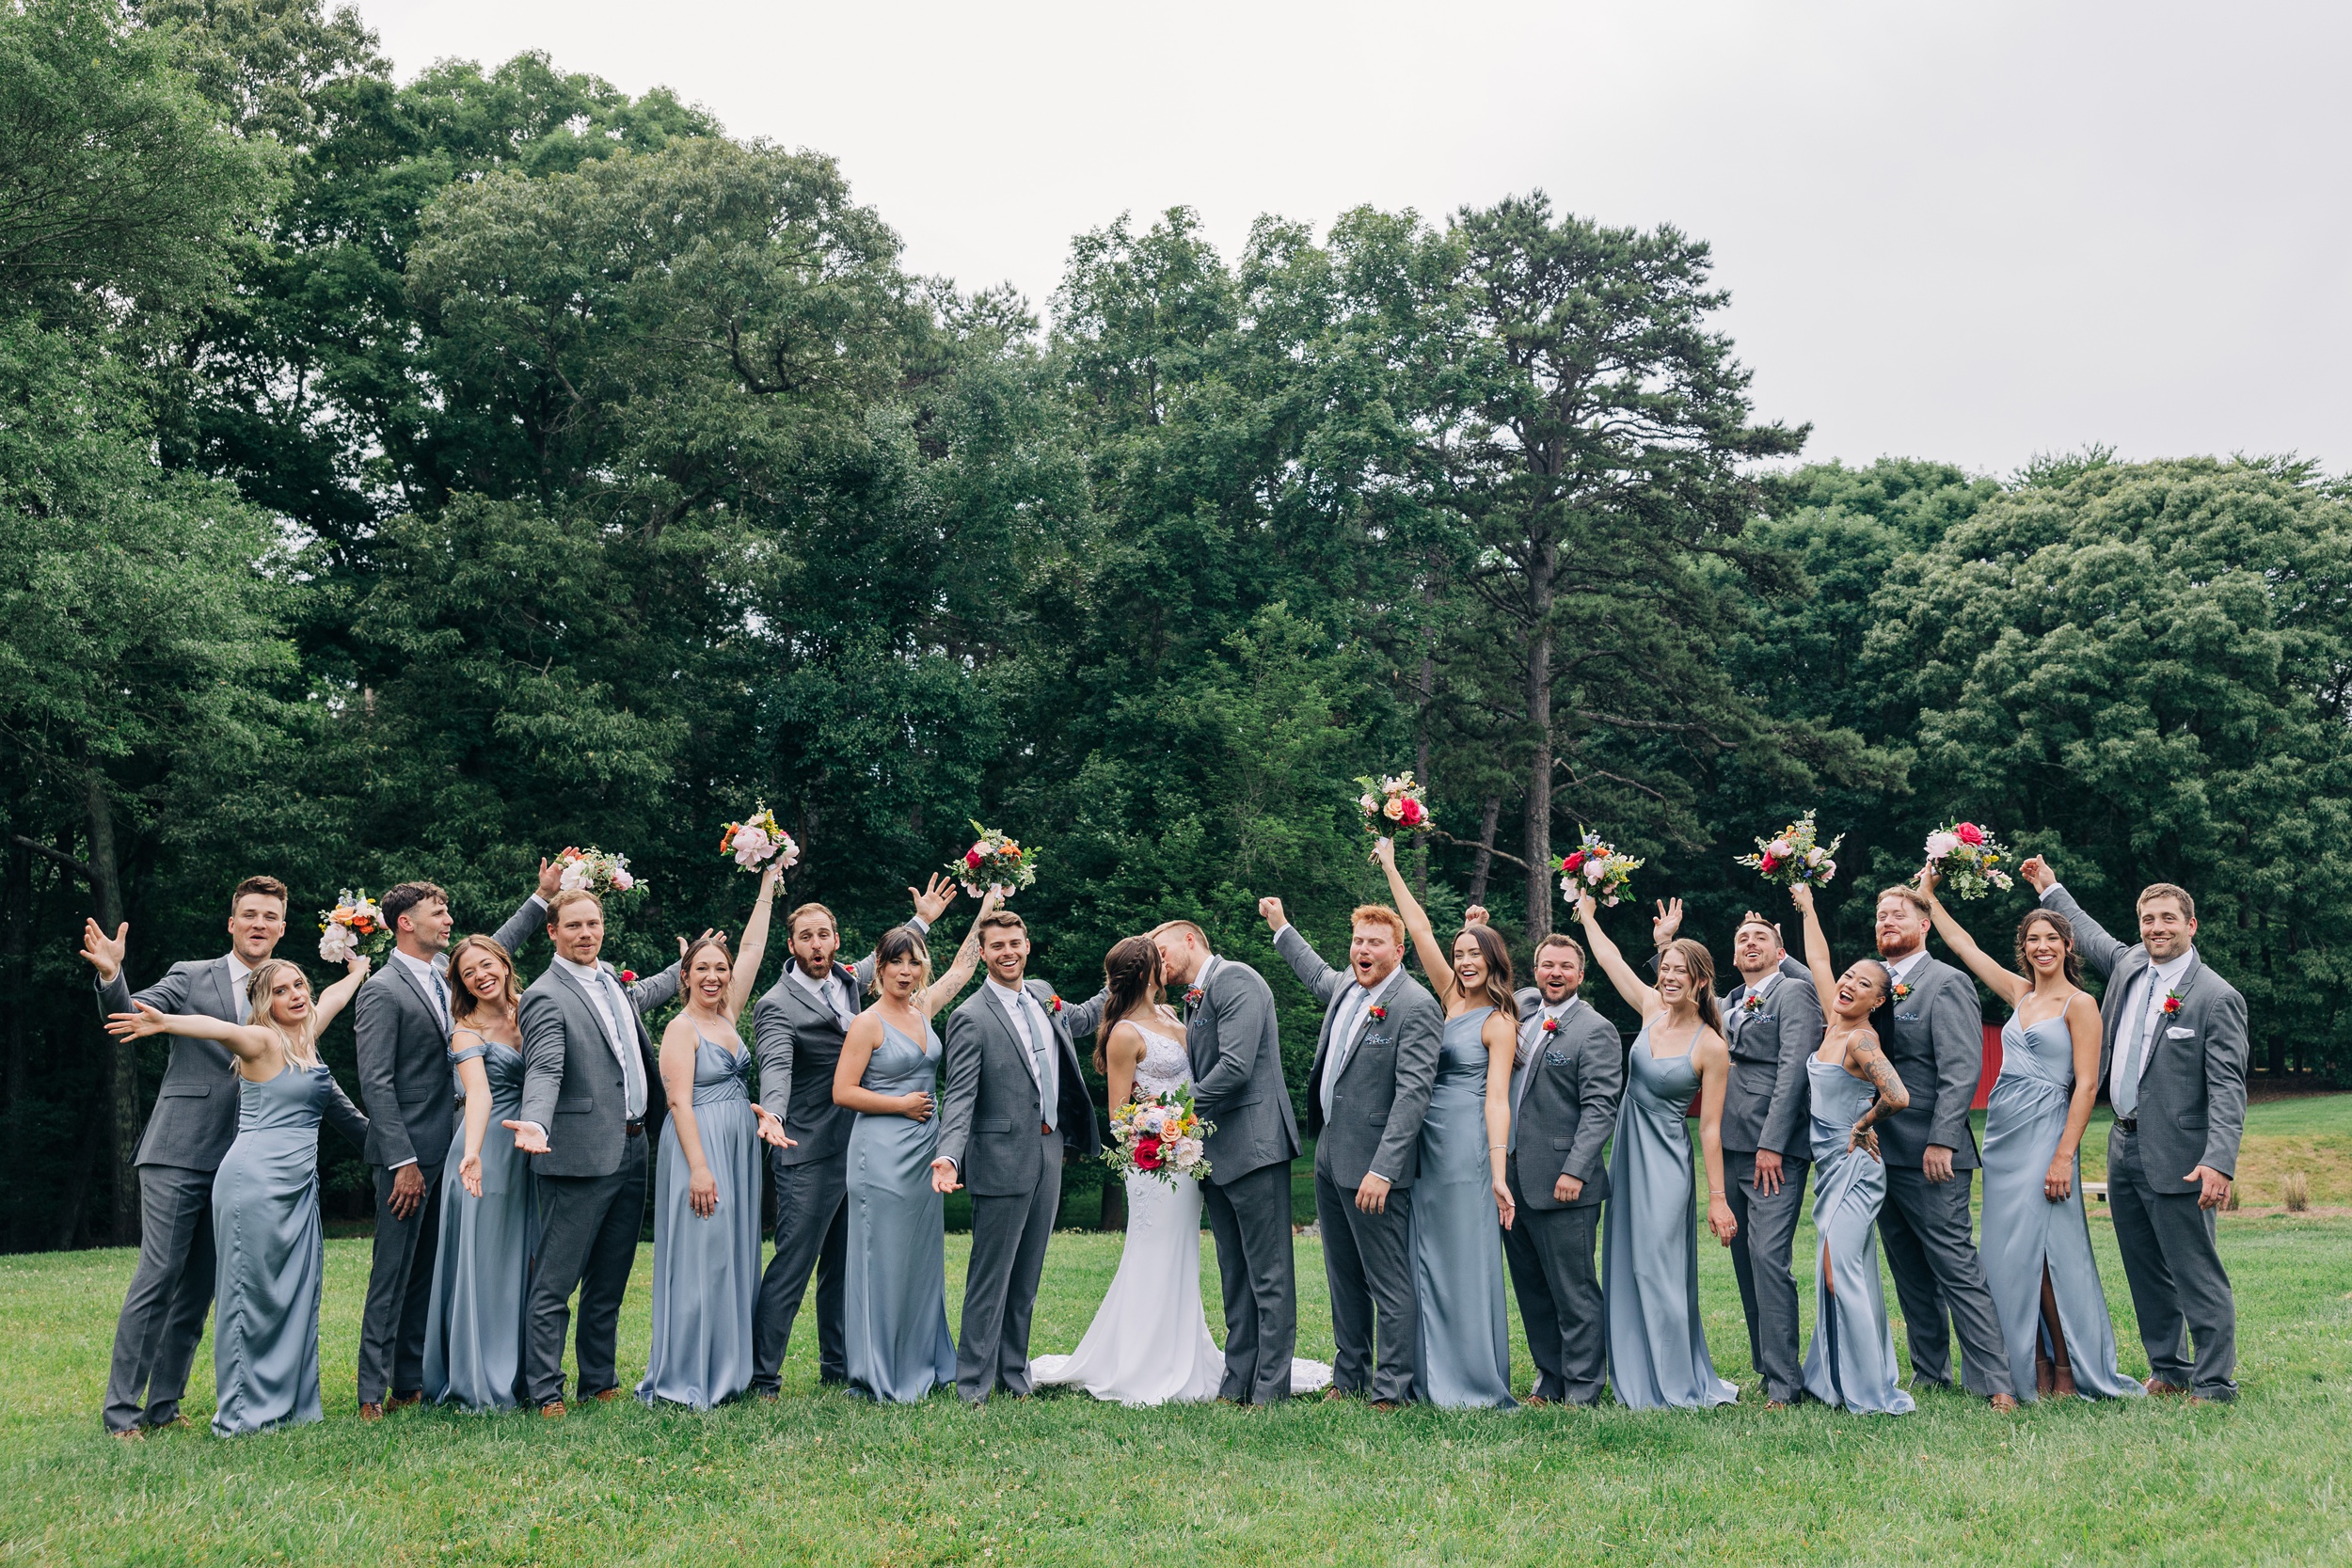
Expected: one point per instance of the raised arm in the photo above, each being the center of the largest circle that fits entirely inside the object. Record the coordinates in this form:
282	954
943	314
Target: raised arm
2003	982
1817	958
754	945
1435	962
2101	951
1319	978
335	998
532	913
944	989
1641	998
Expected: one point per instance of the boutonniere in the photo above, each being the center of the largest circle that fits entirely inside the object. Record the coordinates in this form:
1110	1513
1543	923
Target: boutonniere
1902	991
1749	1003
2171	1002
1055	1006
1551	1027
1378	1012
1193	995
629	976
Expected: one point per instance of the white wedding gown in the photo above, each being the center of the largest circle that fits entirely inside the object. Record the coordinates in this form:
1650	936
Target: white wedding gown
1149	1342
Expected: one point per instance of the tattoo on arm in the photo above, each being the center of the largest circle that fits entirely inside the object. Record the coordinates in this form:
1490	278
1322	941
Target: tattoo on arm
1882	1074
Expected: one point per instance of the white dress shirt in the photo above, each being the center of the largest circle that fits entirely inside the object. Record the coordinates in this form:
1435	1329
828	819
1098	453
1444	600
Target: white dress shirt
2136	1041
604	995
832	992
431	982
1898	969
1028	1020
239	988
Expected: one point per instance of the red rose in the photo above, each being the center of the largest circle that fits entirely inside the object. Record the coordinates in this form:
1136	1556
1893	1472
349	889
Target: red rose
1769	865
1058	1004
1573	862
1379	1013
629	976
1969	834
971	859
1147	1153
1409	813
1551	1027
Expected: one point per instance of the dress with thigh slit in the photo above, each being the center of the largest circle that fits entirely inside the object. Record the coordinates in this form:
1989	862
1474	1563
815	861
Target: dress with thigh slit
1851	1362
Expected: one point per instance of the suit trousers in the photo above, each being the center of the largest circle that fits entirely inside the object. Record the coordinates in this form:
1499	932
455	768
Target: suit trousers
1759	1257
2178	1287
162	1313
1554	1276
588	1230
1368	1262
1931	1255
1249	1217
812	1233
400	1290
1008	1237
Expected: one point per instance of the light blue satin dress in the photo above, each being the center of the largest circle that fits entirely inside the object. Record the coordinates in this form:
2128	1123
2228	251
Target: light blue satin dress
1851	1362
1649	1259
272	1255
895	1290
1458	1243
474	1335
2024	1231
706	1272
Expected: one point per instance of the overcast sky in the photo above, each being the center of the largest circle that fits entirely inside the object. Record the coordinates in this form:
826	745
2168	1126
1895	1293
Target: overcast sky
1972	232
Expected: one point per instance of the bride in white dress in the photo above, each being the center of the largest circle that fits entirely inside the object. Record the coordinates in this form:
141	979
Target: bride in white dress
1149	1342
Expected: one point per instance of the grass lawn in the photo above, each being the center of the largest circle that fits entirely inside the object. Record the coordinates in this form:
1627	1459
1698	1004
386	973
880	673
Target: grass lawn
820	1478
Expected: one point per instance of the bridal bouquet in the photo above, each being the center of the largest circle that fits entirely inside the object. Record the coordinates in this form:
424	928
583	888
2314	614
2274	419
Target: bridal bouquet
1596	869
994	860
1393	805
759	839
597	871
1160	1134
355	925
1795	855
1968	858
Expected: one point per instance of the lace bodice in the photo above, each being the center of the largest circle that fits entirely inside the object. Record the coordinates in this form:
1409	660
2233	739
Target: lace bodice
1165	1064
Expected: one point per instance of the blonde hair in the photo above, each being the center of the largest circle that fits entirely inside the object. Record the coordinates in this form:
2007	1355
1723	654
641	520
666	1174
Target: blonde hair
301	1049
899	944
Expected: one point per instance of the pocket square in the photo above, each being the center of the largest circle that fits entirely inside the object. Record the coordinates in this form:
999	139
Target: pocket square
1555	1059
1906	1018
2176	1033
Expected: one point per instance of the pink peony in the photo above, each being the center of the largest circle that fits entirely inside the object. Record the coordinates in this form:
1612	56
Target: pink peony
623	881
1412	813
751	844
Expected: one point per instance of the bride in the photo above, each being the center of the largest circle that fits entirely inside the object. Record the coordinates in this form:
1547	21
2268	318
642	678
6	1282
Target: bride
1149	1342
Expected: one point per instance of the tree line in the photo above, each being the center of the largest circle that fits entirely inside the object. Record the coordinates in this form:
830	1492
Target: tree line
406	480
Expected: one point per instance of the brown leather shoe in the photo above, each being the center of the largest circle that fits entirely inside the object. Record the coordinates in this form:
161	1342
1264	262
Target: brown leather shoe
131	1435
1332	1396
178	1423
1386	1407
606	1395
1534	1401
369	1411
2005	1404
2158	1389
553	1410
402	1402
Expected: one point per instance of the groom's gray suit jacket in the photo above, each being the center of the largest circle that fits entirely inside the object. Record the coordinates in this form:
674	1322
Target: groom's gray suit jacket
1766	1102
572	1082
1934	1039
1382	1092
1237	1049
405	1078
1566	1105
989	1122
2192	1091
195	1118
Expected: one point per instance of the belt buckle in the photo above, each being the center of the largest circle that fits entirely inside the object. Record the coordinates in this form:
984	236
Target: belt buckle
633	1129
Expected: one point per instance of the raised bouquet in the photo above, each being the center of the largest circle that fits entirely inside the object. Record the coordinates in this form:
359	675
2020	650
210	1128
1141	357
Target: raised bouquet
355	925
994	860
1595	868
597	871
1160	1134
1393	805
1795	854
759	839
1967	860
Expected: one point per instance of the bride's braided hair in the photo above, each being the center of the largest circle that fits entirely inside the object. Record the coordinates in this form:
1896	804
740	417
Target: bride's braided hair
1130	973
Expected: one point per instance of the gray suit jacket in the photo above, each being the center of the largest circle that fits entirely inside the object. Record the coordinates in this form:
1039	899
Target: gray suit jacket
1381	1095
2192	1091
799	1040
1766	1102
572	1084
1565	1106
1237	1049
1934	1039
988	1122
195	1118
405	1075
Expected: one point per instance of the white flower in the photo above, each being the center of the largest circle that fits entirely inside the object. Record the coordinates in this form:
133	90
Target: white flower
1371	803
1780	848
751	844
336	945
1188	1152
1941	845
575	878
788	850
1594	871
622	880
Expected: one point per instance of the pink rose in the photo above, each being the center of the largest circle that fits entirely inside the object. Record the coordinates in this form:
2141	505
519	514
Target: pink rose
1969	834
1412	813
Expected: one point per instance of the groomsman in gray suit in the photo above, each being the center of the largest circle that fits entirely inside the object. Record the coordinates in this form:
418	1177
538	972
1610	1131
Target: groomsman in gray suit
1375	1060
1563	1107
1016	1107
402	1018
1771	1022
1237	1049
1932	1030
194	1122
2173	1060
798	1028
592	1106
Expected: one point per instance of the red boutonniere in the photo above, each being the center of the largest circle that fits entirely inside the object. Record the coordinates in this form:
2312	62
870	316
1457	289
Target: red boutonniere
1551	1027
1193	995
629	976
2172	1003
1379	1013
1750	1003
1056	1005
1903	989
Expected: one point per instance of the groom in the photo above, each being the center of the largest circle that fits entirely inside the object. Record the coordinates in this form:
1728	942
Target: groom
1237	1086
2172	1054
1376	1061
1016	1105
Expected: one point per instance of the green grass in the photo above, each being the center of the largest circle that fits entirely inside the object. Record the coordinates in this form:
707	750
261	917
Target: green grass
820	1478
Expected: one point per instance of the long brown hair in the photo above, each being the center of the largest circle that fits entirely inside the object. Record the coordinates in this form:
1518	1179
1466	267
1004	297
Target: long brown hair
301	1050
1701	965
462	1000
2064	930
1498	993
1130	973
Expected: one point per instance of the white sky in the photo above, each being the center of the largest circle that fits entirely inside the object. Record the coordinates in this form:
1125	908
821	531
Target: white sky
1965	231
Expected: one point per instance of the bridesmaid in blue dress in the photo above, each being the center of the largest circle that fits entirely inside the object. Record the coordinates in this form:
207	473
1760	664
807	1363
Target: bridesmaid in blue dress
489	1200
1457	1258
895	1285
706	1187
1851	1363
1650	1256
2036	1239
265	1200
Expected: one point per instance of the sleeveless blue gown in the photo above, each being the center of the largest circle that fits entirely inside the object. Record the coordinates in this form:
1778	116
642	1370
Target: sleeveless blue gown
272	1255
474	1335
706	1272
1649	1258
1458	1243
1851	1362
895	1290
2024	1231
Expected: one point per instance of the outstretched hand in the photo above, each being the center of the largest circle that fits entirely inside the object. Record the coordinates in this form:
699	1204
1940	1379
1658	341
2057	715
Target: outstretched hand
1800	895
1474	915
943	1175
101	952
528	1139
709	935
1585	907
771	1130
1669	920
1384	851
550	879
142	1022
933	898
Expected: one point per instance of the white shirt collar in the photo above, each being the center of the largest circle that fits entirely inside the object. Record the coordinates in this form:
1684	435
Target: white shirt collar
239	971
2171	969
1902	968
585	971
1010	993
814	987
1200	975
422	967
1559	1008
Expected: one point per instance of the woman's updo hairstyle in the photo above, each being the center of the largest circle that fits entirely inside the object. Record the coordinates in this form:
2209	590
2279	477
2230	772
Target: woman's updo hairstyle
1130	973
